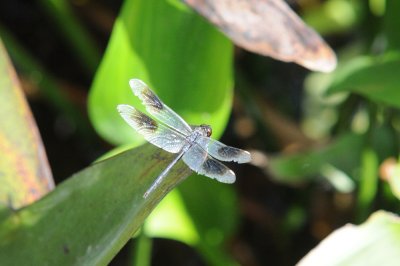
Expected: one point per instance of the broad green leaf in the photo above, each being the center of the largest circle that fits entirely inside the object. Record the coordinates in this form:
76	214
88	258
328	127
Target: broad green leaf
202	213
375	242
171	220
302	167
374	77
213	207
87	219
181	57
214	211
25	175
189	65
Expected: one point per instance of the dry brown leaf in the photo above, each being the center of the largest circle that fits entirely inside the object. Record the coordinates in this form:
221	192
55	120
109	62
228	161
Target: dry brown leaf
268	27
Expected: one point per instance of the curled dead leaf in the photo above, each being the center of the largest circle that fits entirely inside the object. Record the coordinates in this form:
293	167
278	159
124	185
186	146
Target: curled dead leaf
270	28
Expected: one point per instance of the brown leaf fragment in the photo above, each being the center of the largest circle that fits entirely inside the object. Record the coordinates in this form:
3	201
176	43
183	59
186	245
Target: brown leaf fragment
270	28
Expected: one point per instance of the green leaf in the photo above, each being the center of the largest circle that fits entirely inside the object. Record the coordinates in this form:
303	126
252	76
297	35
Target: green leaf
171	220
188	64
390	22
374	77
376	242
87	219
213	209
203	215
183	59
303	166
25	175
368	184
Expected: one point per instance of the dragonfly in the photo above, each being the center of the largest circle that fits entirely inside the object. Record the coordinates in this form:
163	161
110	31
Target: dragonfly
171	133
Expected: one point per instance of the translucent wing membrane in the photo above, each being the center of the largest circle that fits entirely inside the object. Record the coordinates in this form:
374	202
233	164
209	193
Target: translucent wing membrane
223	152
157	108
174	135
198	160
154	132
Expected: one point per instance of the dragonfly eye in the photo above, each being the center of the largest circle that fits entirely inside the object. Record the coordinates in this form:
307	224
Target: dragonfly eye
207	129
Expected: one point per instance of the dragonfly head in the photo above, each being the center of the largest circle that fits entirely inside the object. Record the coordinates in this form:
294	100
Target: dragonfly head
206	129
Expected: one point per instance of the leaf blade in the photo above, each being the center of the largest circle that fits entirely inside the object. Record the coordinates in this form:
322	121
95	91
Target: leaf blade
25	175
373	77
375	242
191	72
87	219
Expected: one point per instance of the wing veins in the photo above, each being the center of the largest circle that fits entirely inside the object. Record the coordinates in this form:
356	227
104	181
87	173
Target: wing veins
220	151
153	131
157	108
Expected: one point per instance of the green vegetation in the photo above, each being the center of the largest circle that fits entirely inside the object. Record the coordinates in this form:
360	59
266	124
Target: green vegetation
325	150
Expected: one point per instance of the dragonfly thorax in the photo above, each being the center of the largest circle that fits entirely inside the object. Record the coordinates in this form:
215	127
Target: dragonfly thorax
202	130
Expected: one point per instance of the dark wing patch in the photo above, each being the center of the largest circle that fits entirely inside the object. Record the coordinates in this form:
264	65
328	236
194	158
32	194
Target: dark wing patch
227	151
213	166
198	160
155	133
144	122
223	152
151	99
157	108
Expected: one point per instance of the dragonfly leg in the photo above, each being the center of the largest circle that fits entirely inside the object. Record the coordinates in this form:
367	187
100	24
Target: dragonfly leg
163	174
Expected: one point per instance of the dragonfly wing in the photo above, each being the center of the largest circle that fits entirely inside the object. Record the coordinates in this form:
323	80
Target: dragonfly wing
198	160
154	132
223	152
157	108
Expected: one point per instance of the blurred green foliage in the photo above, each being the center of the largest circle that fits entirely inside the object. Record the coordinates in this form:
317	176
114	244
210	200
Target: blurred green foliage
361	97
350	114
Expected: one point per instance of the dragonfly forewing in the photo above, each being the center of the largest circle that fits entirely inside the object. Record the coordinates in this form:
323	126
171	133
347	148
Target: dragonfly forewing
157	108
154	132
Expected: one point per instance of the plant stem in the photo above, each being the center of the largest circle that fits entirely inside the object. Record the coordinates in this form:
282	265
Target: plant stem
368	183
74	33
143	247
